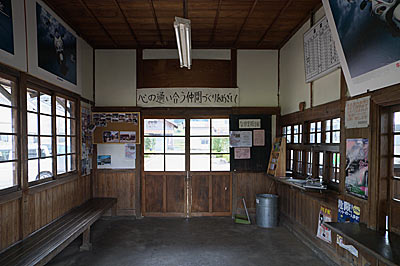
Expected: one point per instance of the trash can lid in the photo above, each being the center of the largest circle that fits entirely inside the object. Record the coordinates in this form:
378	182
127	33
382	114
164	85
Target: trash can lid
267	196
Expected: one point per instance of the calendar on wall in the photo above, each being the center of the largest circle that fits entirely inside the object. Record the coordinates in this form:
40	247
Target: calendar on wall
320	56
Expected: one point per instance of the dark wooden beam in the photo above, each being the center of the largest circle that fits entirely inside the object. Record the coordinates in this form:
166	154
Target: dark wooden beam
153	10
283	9
88	10
127	22
302	22
185	8
215	23
244	22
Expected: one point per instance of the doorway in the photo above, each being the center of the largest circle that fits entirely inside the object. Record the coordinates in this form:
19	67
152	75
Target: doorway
186	167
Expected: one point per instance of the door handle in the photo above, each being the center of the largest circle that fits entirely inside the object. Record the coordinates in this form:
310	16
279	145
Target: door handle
226	188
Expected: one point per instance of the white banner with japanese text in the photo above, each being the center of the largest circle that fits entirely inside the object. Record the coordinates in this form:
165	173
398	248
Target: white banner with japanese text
188	97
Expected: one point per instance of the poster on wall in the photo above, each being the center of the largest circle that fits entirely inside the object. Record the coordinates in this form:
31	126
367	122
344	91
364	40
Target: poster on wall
6	27
323	232
56	46
357	113
242	153
87	141
241	139
349	248
357	167
367	38
348	213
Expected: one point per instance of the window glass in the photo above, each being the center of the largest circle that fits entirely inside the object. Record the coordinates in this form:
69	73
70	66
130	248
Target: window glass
220	127
220	162
199	127
200	162
175	162
153	162
45	104
153	127
174	127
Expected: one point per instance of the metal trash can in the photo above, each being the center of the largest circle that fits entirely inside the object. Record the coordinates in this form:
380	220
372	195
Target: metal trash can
267	210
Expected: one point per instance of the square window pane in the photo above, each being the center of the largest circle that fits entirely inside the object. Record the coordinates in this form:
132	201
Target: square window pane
71	144
61	149
295	129
312	138
46	144
60	125
61	167
396	149
174	127
289	130
45	104
199	162
33	170
284	131
175	145
220	127
6	93
70	109
32	100
288	138
153	162
220	162
60	106
328	125
45	125
199	127
8	172
220	145
174	162
319	135
396	122
336	137
153	127
32	124
71	161
199	144
396	167
46	168
321	158
319	126
6	120
153	144
71	127
328	137
312	127
8	148
33	147
295	139
336	124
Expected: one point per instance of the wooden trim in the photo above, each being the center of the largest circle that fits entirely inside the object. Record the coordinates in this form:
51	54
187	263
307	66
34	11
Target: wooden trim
139	68
153	11
49	88
10	196
234	68
253	6
211	41
52	183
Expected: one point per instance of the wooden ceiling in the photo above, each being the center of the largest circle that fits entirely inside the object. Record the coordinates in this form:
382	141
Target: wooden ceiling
243	24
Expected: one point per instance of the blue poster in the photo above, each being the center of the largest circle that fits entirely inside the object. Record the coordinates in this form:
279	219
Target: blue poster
6	27
347	212
56	46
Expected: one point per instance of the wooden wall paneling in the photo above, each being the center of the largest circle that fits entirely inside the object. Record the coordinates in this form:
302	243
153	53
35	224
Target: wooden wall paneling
175	194
9	223
200	193
153	193
221	193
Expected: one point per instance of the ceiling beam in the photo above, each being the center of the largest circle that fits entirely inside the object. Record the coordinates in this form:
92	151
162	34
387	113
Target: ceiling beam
244	22
302	22
69	22
127	22
211	41
153	10
88	10
283	9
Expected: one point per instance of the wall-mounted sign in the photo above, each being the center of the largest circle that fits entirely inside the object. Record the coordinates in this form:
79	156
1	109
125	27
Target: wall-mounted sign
357	167
357	113
188	97
241	139
249	123
348	213
323	232
242	153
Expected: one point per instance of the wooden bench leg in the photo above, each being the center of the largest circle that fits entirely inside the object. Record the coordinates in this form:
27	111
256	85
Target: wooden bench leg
86	245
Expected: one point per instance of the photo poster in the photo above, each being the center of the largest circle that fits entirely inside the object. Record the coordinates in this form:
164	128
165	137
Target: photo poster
117	156
86	141
13	34
241	139
323	232
349	248
259	137
242	153
347	212
103	160
130	151
116	127
357	167
367	38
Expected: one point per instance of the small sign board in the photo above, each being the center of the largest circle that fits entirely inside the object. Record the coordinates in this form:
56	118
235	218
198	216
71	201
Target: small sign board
357	113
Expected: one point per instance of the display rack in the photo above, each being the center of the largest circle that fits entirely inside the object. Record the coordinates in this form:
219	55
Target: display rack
277	159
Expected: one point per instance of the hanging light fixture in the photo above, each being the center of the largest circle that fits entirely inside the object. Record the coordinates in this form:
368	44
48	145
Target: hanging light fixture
184	41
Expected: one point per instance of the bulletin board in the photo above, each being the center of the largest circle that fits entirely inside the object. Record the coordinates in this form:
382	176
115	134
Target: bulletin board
258	157
116	128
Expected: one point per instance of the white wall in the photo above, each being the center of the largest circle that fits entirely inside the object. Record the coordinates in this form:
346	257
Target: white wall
86	54
217	54
257	77
293	88
115	72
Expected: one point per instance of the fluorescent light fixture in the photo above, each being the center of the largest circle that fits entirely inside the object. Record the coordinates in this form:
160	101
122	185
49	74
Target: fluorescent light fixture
184	41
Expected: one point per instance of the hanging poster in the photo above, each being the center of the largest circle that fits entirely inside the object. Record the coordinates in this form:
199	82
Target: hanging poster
241	139
249	123
127	136
104	160
348	213
357	113
357	167
259	137
130	151
242	153
323	232
349	248
188	97
6	27
87	143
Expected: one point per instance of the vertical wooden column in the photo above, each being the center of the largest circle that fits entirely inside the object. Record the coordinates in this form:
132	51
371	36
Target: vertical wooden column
233	68
343	98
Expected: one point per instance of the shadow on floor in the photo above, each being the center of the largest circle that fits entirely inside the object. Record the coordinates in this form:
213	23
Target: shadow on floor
191	242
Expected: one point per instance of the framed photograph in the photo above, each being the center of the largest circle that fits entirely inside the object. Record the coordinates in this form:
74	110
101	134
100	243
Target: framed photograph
127	137
367	39
53	49
12	34
111	136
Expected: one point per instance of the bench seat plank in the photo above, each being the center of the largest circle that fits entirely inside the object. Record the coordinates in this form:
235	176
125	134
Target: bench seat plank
41	246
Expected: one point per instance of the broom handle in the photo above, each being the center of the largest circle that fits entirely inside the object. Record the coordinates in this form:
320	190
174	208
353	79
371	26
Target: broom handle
245	208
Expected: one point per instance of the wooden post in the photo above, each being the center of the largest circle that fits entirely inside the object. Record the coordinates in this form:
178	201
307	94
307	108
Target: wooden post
86	245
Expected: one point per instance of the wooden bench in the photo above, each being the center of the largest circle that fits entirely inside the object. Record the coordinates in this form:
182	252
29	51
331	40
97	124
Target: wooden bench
384	247
41	246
